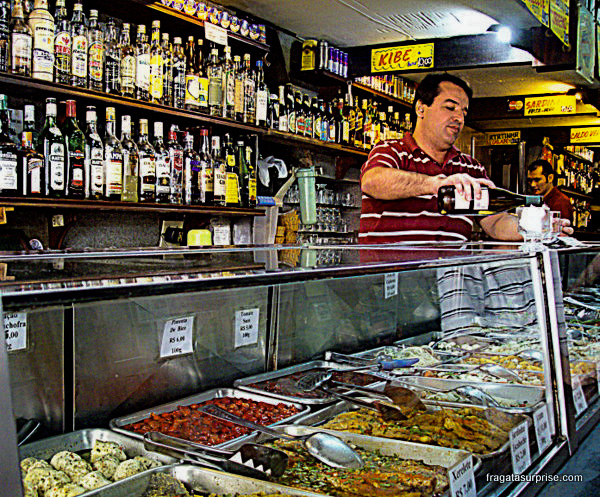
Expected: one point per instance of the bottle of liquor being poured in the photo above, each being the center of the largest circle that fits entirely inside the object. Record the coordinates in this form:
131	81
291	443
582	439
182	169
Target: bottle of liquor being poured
493	200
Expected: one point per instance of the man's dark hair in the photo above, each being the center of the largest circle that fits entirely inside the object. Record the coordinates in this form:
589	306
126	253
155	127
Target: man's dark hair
547	168
429	88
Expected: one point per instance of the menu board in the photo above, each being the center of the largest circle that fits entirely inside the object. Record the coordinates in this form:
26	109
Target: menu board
559	19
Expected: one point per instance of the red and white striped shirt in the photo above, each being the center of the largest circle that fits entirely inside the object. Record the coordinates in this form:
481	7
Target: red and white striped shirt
415	218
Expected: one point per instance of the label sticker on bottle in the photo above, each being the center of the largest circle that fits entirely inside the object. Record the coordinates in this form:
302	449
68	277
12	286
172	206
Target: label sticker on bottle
246	327
215	34
177	337
519	448
542	428
462	479
390	287
15	330
578	396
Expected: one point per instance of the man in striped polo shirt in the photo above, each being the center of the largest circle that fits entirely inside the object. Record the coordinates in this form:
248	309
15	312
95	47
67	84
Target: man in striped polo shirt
401	178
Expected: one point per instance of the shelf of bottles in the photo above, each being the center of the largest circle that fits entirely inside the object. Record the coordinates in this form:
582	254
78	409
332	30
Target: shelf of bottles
576	173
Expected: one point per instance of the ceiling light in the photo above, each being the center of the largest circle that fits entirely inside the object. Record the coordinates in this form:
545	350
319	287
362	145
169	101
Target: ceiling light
504	34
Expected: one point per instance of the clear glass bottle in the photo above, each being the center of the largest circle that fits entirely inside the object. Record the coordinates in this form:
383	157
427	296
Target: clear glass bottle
113	158
232	195
206	180
79	47
179	63
10	177
62	44
51	143
249	92
308	117
75	153
228	85
300	115
21	42
176	159
167	53
41	22
94	157
247	177
4	35
31	166
191	168
131	162
219	172
147	192
156	84
128	63
29	121
192	90
112	67
238	106
163	165
142	65
95	53
215	84
202	72
262	95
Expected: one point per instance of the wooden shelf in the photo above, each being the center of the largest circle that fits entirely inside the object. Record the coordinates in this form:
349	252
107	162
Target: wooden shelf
579	195
575	156
383	95
102	205
275	136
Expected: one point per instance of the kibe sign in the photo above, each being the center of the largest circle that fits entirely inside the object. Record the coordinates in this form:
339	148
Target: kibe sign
402	58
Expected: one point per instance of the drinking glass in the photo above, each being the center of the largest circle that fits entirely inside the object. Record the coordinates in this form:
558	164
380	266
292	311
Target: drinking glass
534	225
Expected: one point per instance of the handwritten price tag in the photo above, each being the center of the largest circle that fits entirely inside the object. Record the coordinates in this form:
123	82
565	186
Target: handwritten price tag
215	33
578	397
246	327
542	428
15	330
519	448
390	285
177	337
462	479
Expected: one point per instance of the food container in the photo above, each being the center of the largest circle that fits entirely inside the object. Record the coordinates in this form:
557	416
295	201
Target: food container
395	352
118	424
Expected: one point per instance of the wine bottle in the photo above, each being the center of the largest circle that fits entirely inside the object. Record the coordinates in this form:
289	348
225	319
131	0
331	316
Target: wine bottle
147	191
75	153
493	200
79	48
113	158
131	162
62	44
51	143
32	167
94	157
10	179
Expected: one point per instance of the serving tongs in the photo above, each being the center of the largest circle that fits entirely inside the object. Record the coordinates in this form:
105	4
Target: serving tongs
381	363
473	394
253	460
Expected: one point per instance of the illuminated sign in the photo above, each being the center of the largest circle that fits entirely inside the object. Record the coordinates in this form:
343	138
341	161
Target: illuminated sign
402	58
504	138
585	135
550	105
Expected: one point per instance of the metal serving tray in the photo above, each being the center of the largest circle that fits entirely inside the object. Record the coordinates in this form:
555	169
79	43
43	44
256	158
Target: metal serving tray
117	424
443	356
201	480
82	440
244	383
465	368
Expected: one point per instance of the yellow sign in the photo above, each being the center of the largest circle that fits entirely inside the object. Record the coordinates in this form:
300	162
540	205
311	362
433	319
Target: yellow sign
504	138
402	58
559	19
540	10
550	105
585	135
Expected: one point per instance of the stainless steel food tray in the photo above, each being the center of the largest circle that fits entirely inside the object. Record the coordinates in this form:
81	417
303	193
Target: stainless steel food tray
117	424
82	440
244	383
473	343
465	368
444	357
200	479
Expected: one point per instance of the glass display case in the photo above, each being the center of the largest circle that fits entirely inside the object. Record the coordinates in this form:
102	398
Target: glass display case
97	336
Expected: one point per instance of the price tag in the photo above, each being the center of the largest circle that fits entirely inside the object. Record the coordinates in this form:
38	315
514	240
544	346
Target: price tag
462	479
177	337
578	397
390	285
519	448
215	33
15	330
246	327
542	428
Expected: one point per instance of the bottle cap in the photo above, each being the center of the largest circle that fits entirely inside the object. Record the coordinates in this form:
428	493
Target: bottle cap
158	128
72	108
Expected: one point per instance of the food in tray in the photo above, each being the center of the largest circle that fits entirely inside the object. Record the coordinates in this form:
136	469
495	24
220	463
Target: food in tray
527	377
188	423
455	397
582	350
425	354
286	385
476	430
512	346
69	473
508	361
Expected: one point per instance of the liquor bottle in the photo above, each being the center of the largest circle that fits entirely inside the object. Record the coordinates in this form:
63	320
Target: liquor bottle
247	181
385	127
167	54
95	53
250	182
21	42
492	200
262	95
283	114
249	92
232	185
31	165
94	157
113	158
4	35
29	122
192	95
191	168
128	63
398	132
350	114
359	128
219	173
206	170
156	83
142	65
376	128
238	106
176	161
51	144
147	192
308	117
333	126
10	179
112	69
338	114
163	165
41	23
300	116
407	127
203	81
131	162
179	63
273	111
290	105
228	85
79	47
215	84
62	44
324	131
367	122
75	153
317	118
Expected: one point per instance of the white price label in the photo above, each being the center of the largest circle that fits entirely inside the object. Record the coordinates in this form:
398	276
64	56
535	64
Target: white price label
214	33
578	397
246	327
177	337
15	330
462	479
390	285
322	311
519	448
542	428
